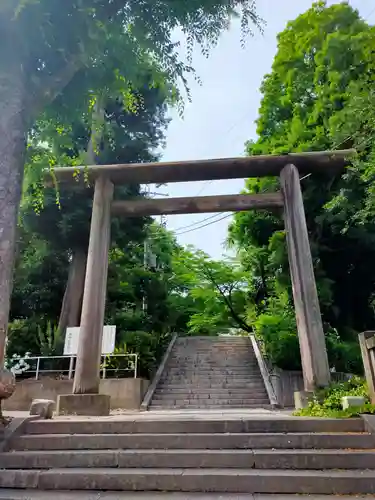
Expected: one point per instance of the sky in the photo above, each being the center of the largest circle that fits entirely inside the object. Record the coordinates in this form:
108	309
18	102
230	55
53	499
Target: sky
222	114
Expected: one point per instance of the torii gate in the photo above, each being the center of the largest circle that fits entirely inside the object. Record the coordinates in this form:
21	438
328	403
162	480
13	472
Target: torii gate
86	398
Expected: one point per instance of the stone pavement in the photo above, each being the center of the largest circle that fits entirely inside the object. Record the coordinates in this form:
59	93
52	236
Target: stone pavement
161	415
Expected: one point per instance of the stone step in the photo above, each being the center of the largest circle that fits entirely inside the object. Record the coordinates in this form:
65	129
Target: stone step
10	494
211	357
231	351
229	356
192	389
209	390
214	387
226	387
206	349
209	406
238	459
330	482
222	401
214	377
215	365
185	425
201	441
215	368
214	372
213	345
199	395
212	380
214	340
241	378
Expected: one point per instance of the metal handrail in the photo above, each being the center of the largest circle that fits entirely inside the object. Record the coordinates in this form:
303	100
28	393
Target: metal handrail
150	391
72	359
264	372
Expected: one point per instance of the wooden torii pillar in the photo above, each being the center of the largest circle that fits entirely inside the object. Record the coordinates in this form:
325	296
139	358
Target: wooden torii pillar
86	399
309	322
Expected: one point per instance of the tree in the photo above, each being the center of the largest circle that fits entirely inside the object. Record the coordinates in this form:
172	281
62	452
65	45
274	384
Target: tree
56	231
213	292
44	47
325	61
126	136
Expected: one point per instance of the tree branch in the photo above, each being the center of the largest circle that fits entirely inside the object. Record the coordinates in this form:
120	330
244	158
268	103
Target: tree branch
50	86
237	318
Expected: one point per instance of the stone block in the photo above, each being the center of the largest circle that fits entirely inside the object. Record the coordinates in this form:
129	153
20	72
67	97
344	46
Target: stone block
43	408
352	402
302	399
7	383
83	404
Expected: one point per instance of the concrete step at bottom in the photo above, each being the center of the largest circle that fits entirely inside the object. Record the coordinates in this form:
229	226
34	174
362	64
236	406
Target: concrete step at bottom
10	494
238	459
330	482
198	441
185	424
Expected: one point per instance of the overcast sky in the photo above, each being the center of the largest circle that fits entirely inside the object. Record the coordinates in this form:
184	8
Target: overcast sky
221	116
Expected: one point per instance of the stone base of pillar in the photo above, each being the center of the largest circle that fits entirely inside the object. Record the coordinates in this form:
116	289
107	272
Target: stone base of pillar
97	405
302	399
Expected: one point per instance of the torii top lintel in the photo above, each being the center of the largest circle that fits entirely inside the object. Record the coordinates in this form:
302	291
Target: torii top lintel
327	162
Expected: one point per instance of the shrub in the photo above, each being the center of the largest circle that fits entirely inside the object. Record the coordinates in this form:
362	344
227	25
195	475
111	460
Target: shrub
327	402
277	329
22	337
118	366
17	364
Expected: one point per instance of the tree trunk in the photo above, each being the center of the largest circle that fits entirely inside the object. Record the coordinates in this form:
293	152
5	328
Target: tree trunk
72	302
13	131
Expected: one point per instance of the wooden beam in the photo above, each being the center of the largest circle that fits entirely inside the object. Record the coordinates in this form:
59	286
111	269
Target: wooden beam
370	342
191	205
368	359
309	322
328	162
86	379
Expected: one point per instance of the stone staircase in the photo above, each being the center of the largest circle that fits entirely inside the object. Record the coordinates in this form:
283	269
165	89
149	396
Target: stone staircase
211	457
211	372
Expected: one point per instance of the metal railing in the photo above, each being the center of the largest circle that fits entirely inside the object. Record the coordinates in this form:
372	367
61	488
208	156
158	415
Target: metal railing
264	370
106	365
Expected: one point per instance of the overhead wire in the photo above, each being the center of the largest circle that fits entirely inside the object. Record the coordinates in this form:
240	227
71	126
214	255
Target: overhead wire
204	225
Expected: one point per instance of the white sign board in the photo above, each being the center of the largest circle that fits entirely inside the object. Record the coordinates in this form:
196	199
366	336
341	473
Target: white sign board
72	335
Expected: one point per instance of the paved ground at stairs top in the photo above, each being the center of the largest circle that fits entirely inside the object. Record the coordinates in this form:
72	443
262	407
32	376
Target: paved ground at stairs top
176	415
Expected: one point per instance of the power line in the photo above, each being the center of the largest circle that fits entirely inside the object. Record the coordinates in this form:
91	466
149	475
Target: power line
197	222
204	225
232	127
370	14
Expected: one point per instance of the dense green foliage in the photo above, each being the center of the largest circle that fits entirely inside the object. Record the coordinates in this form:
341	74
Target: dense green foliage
328	402
317	97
